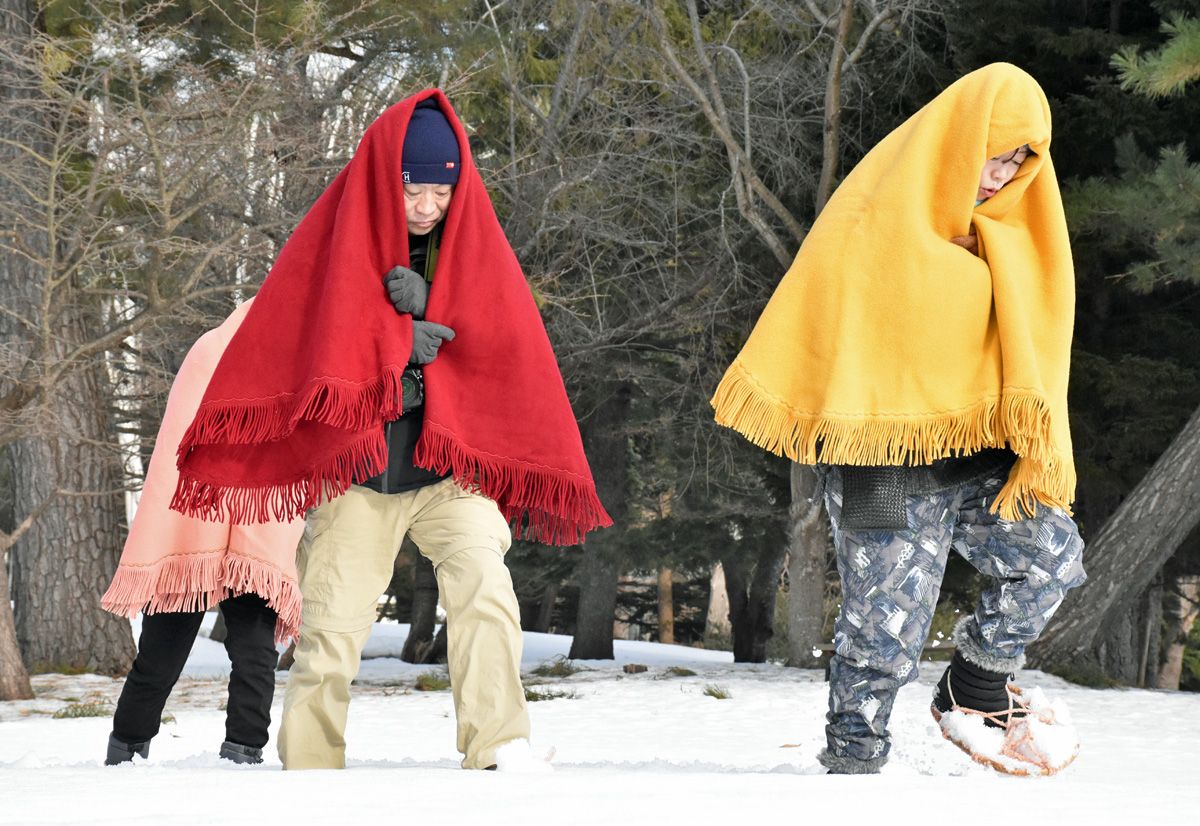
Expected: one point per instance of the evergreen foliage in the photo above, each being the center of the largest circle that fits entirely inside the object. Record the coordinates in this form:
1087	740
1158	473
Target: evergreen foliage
1168	70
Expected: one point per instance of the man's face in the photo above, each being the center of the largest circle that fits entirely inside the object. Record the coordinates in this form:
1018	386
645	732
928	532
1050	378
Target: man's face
425	205
1000	170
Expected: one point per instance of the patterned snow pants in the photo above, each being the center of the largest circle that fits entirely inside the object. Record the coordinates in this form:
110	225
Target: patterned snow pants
890	585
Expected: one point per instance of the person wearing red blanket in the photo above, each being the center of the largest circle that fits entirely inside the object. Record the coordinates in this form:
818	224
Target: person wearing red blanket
394	378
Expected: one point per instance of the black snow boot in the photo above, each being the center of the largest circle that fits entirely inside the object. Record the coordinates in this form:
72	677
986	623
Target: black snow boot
966	685
240	754
121	752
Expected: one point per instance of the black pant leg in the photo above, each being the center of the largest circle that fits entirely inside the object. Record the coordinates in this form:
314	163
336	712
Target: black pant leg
163	648
251	646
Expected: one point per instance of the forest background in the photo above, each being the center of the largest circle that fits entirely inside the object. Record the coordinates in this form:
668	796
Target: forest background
655	166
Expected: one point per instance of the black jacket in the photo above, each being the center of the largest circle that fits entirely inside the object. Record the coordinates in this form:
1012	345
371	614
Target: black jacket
402	433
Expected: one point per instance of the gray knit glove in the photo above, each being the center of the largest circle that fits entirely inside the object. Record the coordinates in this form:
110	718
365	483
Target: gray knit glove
427	338
408	290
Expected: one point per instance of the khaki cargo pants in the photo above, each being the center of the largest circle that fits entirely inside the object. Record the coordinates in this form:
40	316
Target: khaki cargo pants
345	563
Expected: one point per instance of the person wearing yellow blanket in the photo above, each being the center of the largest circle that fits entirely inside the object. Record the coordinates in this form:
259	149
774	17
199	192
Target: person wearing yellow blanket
917	353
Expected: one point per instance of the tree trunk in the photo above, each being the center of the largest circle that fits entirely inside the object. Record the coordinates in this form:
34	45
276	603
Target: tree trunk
716	624
438	651
1151	636
753	589
14	680
808	529
419	646
68	557
1129	650
1122	560
63	563
808	559
597	578
545	614
666	606
1178	628
596	574
15	26
831	146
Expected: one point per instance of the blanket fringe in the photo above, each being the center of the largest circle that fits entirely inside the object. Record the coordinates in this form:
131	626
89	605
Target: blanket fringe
336	403
543	504
1031	484
188	582
1019	420
284	501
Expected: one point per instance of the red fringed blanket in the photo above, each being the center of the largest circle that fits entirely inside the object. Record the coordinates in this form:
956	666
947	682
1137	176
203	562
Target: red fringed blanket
294	411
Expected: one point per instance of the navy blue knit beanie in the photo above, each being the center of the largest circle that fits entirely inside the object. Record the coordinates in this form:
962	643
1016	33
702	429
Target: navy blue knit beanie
430	153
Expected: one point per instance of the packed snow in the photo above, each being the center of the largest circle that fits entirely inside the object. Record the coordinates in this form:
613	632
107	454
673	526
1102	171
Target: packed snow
629	748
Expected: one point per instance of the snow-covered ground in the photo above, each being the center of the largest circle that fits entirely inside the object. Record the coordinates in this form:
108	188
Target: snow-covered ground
648	748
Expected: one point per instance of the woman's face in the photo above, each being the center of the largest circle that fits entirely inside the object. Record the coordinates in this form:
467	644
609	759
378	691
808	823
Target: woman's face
425	205
1000	170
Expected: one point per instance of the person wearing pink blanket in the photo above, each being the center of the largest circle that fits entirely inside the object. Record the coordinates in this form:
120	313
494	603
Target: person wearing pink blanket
174	568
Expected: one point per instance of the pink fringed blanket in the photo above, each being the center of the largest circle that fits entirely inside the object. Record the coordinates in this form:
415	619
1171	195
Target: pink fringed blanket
173	562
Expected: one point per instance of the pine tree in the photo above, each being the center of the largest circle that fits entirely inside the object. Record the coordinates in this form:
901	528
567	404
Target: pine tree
1168	70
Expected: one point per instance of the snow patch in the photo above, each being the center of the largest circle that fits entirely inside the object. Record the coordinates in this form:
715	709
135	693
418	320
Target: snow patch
518	757
643	749
29	760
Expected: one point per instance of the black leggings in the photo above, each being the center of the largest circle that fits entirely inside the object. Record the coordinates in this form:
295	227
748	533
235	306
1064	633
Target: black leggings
163	649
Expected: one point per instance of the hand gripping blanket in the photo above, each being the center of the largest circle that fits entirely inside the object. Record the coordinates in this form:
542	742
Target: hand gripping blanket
173	562
294	412
886	344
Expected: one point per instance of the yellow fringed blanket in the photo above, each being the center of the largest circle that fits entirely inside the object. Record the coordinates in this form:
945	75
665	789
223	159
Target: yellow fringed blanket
885	343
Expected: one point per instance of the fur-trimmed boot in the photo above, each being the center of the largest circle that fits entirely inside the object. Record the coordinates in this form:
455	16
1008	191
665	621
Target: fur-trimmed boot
969	686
